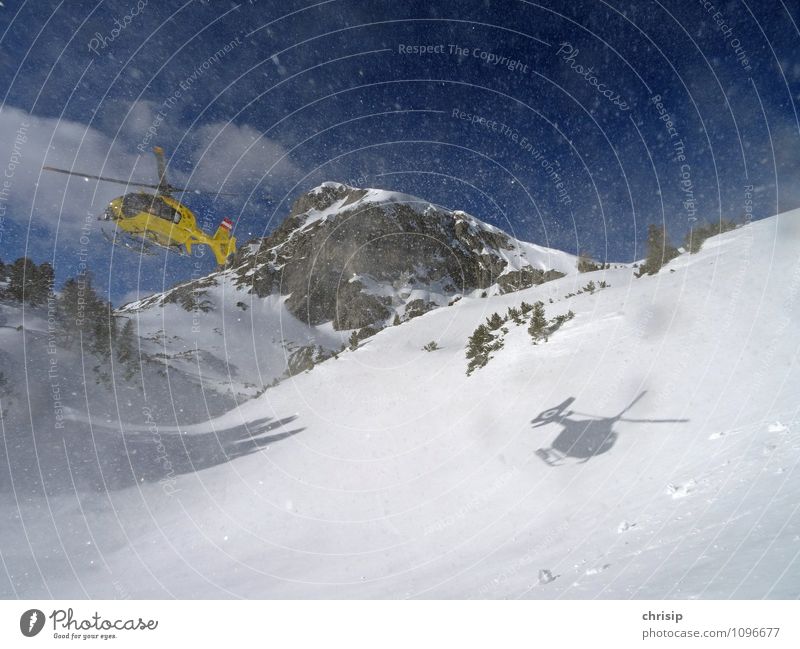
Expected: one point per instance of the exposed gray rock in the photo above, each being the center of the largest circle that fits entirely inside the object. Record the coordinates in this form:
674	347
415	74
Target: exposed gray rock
419	307
517	280
359	258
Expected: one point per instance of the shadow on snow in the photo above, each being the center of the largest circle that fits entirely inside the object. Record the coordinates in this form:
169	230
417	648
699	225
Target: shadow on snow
95	459
583	436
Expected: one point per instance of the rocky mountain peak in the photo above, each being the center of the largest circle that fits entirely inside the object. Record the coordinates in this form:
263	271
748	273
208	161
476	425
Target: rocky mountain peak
324	196
360	257
365	257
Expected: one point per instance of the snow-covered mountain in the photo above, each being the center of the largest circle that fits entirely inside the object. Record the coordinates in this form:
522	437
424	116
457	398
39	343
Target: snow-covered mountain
649	449
344	259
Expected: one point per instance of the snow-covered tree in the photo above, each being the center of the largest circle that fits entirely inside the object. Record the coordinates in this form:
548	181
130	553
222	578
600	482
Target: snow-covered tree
494	321
478	348
538	326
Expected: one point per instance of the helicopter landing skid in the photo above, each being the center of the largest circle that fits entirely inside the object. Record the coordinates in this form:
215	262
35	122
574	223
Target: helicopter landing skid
547	457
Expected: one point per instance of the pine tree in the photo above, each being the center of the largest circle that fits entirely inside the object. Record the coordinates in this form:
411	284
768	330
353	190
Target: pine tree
494	321
40	284
659	250
104	327
71	306
22	272
590	288
515	315
396	320
354	340
555	323
126	349
125	344
525	308
586	264
478	348
538	327
82	310
693	241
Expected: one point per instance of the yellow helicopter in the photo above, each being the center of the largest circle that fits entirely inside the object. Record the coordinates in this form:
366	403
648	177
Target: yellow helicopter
143	219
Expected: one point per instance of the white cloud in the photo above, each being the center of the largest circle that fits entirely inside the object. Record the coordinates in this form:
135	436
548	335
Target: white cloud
233	158
52	201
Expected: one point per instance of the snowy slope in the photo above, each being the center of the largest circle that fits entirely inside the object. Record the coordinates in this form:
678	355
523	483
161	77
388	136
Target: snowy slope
241	343
389	473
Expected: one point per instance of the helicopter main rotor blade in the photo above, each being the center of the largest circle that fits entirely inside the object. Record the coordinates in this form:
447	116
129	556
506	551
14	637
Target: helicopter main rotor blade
101	178
161	166
208	191
164	189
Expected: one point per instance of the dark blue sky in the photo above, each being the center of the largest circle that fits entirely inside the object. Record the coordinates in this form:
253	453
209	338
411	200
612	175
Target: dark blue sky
536	117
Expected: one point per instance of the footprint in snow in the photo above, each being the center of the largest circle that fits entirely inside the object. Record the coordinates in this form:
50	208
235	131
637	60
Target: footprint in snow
777	427
624	526
682	490
719	435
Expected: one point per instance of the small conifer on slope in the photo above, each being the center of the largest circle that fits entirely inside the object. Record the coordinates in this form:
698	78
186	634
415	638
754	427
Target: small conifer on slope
480	344
659	251
538	326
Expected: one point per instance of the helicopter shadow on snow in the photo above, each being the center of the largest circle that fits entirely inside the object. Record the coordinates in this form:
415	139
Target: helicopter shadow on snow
88	459
583	436
171	454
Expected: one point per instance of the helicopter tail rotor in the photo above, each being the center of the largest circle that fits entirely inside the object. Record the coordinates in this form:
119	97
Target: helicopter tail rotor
224	245
224	229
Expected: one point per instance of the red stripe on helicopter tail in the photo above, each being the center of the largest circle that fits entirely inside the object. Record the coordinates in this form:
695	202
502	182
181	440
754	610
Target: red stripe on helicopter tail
227	224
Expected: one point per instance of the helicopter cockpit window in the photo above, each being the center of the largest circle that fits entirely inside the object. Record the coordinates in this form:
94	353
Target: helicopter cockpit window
132	204
164	210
